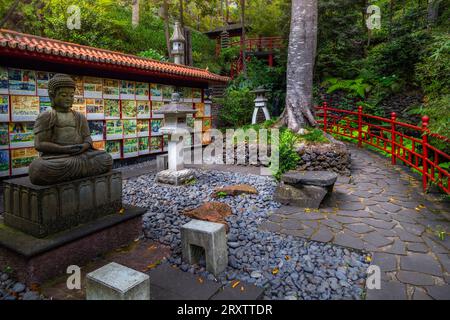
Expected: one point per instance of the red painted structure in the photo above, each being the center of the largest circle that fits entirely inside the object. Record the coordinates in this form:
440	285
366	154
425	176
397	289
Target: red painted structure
402	141
264	46
261	46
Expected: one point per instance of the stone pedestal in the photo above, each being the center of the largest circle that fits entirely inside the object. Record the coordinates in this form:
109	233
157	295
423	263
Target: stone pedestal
175	177
35	260
162	162
43	210
209	236
48	228
116	282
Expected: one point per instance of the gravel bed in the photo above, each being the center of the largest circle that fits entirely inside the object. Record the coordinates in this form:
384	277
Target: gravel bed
287	267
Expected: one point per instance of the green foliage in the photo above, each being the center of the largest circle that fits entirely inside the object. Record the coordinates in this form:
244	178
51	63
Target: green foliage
190	182
314	135
258	73
107	24
433	74
236	107
288	156
221	194
355	87
152	54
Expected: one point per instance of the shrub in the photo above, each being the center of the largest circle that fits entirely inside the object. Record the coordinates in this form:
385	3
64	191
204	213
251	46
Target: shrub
288	156
236	108
152	54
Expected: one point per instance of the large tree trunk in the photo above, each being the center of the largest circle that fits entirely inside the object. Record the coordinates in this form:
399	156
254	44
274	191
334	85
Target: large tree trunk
227	12
433	12
165	16
135	14
182	15
301	56
244	58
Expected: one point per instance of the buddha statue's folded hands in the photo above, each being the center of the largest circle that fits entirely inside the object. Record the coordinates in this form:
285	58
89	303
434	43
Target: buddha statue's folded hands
63	139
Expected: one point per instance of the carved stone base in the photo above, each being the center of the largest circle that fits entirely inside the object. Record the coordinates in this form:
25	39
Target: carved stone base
176	178
35	260
44	210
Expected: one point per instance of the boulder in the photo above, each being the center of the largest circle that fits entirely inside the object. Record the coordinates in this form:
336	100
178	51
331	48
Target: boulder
303	196
235	190
211	211
305	189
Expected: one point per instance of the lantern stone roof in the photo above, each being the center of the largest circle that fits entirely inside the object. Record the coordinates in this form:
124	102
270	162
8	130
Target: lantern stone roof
19	45
175	107
177	33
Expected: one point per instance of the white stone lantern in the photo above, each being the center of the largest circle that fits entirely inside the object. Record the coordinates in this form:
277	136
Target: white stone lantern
175	127
177	43
260	103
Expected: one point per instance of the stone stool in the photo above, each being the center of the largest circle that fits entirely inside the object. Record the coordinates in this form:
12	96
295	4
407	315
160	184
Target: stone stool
162	162
305	189
116	282
210	236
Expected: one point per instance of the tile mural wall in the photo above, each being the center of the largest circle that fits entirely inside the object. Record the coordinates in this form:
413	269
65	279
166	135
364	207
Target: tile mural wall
120	115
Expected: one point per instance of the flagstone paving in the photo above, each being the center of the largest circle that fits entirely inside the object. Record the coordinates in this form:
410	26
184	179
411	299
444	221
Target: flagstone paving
381	208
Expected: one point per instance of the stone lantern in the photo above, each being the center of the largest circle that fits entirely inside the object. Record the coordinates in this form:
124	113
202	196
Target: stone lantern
175	127
177	42
260	103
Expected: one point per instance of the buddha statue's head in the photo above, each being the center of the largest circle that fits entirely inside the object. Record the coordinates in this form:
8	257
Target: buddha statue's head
61	89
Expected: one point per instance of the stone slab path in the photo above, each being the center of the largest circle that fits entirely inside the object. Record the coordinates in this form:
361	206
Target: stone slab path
381	209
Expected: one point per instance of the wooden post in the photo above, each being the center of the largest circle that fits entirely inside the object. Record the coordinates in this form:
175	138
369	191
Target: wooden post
325	116
360	126
425	121
393	118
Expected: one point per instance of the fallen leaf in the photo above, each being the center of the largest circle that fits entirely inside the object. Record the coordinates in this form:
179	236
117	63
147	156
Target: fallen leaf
368	259
287	258
242	288
151	266
122	211
200	280
152	247
275	271
235	284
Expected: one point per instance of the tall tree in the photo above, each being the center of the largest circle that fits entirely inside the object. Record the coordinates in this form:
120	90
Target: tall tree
227	12
164	12
300	67
181	7
135	13
432	11
243	46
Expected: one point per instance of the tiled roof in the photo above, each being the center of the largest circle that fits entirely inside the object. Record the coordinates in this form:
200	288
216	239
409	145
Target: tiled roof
46	46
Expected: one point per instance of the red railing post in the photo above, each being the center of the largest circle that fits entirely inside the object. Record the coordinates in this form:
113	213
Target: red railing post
425	120
324	105
393	118
360	109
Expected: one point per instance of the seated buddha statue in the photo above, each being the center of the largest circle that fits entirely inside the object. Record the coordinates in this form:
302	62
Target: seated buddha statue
62	137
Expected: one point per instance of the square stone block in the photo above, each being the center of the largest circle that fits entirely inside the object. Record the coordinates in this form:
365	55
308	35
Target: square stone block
44	210
117	282
209	236
162	162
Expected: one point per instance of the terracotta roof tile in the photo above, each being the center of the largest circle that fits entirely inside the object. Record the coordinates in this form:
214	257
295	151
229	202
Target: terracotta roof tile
53	47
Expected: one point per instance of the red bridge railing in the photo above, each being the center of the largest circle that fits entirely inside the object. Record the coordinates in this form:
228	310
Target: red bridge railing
260	44
401	141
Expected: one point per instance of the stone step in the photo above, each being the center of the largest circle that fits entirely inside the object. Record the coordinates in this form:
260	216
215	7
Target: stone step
170	283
